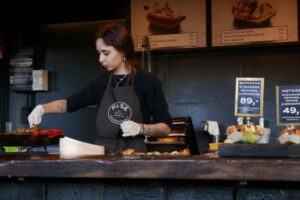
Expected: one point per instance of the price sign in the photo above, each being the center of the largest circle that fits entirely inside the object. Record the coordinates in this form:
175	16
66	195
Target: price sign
249	97
288	104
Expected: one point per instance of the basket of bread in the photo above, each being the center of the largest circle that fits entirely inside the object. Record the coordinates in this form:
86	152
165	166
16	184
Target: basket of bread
244	133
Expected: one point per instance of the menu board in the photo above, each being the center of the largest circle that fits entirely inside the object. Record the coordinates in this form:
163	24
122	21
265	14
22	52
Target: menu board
168	24
288	104
249	93
240	22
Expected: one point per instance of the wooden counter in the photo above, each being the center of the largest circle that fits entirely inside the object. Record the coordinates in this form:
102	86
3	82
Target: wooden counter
150	167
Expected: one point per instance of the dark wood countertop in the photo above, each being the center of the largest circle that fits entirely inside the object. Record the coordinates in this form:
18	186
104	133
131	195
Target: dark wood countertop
150	167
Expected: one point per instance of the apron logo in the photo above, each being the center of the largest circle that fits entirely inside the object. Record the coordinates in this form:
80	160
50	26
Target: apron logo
119	112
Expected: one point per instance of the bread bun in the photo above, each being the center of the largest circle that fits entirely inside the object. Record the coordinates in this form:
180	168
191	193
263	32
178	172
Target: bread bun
170	139
249	128
231	129
240	128
284	132
290	131
33	130
297	131
128	152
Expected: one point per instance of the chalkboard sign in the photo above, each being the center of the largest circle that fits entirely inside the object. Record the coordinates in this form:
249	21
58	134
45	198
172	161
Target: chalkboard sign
288	104
249	93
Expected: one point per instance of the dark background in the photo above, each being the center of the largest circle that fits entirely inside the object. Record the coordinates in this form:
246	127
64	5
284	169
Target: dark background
198	82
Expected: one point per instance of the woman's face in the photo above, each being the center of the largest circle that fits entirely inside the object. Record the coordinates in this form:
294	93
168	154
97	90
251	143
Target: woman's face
109	57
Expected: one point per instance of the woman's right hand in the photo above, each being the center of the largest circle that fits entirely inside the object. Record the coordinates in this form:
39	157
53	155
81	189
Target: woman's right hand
35	116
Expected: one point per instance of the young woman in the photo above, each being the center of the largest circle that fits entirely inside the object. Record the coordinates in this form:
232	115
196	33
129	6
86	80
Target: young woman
130	101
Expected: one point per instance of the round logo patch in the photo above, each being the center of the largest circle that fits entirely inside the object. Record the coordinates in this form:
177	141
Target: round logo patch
119	112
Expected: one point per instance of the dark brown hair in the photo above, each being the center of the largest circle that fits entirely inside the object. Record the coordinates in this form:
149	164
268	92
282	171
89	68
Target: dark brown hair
117	35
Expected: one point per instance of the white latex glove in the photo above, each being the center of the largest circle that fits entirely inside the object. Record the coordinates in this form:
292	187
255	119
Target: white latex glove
35	116
130	128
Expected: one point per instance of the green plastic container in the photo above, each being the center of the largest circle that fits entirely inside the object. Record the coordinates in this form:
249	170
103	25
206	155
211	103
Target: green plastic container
10	149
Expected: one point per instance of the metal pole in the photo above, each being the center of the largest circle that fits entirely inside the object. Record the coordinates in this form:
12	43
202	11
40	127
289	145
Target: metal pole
149	57
146	45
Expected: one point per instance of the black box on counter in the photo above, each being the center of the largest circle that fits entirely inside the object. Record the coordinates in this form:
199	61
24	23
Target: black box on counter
254	150
294	150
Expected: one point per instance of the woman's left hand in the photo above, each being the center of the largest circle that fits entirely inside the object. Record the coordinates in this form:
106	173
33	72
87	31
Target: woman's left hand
130	128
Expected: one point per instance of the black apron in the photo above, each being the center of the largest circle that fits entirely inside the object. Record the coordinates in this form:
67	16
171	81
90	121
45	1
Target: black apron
118	105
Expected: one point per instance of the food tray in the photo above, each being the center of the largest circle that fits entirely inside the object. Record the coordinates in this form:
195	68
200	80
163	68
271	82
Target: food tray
32	140
165	146
171	143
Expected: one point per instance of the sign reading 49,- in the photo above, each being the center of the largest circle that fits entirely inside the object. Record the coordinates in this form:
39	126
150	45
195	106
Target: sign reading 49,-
288	105
249	93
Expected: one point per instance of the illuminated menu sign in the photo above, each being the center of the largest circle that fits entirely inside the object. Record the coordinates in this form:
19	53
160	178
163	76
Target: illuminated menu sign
288	104
249	97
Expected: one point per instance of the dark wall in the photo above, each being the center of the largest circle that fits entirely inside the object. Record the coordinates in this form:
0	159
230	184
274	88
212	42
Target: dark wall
202	84
24	13
3	94
68	52
199	83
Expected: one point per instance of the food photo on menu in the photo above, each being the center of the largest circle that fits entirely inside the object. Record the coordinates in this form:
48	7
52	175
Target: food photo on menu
162	17
247	22
171	24
253	12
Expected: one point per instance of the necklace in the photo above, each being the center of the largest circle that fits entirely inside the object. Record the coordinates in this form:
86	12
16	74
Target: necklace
120	79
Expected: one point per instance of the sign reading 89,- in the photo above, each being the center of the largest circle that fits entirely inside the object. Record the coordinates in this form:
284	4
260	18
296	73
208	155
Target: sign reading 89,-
249	97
